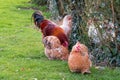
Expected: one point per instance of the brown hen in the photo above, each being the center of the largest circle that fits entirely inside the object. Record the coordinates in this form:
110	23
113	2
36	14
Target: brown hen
54	49
78	60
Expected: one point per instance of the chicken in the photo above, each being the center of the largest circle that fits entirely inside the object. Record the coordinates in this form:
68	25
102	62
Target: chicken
53	48
49	28
67	24
78	60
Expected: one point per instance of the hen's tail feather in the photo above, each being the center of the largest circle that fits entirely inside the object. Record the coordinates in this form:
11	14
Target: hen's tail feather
38	17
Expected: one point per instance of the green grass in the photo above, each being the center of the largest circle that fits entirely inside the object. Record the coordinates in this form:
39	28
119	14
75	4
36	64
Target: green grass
22	52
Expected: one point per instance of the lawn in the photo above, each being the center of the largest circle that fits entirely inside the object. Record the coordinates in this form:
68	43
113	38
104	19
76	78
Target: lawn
22	52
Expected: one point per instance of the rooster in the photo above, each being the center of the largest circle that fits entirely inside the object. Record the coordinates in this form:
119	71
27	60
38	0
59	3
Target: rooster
49	28
54	49
67	24
78	60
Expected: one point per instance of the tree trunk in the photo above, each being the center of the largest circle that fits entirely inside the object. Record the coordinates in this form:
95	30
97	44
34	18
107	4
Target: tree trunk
103	13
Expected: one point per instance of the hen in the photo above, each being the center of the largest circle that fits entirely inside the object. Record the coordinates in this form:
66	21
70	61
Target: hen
53	48
78	60
49	28
67	24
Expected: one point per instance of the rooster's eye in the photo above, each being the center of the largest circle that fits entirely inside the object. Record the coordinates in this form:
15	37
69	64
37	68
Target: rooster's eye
69	18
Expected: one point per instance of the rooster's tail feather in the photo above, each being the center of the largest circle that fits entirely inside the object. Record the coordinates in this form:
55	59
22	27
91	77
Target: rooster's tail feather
37	17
